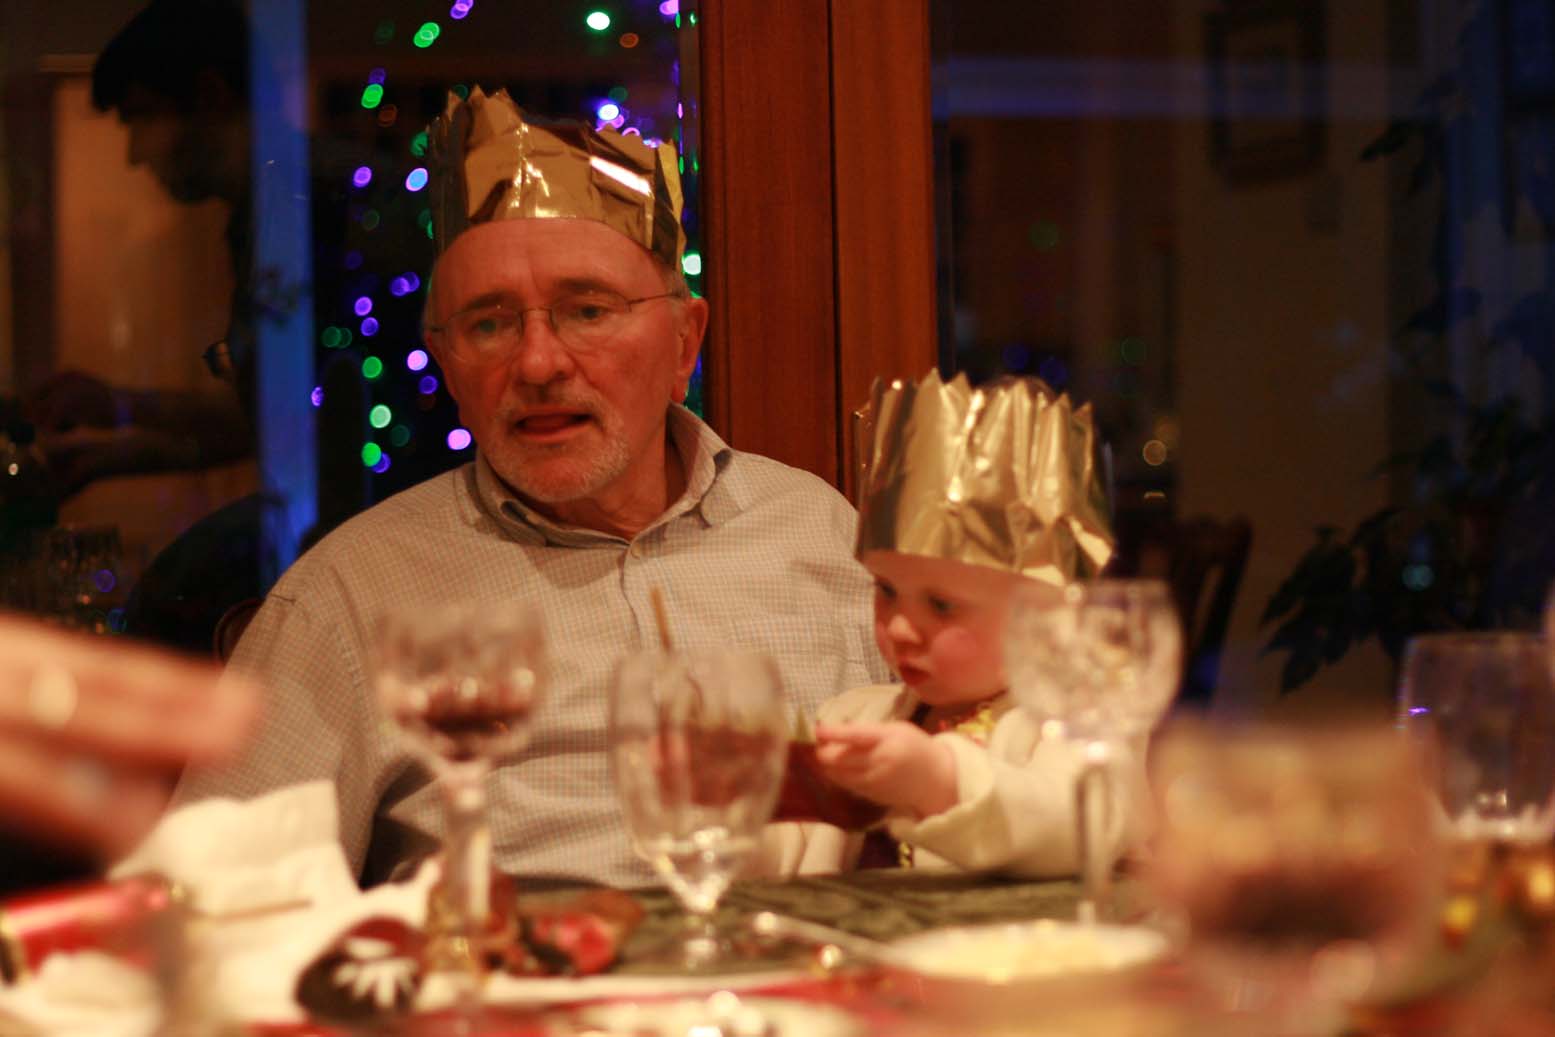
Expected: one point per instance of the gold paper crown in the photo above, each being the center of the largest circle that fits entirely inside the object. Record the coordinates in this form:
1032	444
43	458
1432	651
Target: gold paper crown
1002	476
490	162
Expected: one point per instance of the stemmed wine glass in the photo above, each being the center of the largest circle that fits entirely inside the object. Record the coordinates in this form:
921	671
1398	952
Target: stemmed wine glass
1302	859
460	683
1095	665
1483	707
698	741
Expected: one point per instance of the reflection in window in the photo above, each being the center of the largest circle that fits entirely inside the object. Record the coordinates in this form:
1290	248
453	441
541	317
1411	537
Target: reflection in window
1299	256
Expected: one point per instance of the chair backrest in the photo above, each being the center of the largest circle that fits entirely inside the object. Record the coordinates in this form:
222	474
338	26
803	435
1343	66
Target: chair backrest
1202	561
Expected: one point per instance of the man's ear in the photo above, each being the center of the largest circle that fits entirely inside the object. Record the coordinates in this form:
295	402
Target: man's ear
693	327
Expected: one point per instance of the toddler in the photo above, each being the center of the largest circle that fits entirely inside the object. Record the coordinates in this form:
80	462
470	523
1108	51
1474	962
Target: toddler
969	496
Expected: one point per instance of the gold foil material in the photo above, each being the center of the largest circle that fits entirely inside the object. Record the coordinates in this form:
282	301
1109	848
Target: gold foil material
1002	476
489	161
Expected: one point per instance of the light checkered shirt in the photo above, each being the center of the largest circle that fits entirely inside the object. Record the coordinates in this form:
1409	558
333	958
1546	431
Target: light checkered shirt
754	554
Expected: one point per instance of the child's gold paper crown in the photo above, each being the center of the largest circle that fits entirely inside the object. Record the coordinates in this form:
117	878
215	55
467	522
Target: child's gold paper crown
1002	476
489	162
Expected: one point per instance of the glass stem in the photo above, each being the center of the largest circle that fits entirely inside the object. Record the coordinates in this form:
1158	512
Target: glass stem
1093	819
461	901
468	854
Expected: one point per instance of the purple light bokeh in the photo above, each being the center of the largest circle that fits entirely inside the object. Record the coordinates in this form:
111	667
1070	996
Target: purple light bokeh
427	385
669	8
353	259
460	9
316	397
362	177
382	464
398	287
363	305
416	179
369	326
104	580
416	359
459	439
377	76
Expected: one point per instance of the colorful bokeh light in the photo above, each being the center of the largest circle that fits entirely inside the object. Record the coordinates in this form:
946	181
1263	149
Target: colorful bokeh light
416	360
372	95
372	367
459	439
416	179
380	416
599	21
362	177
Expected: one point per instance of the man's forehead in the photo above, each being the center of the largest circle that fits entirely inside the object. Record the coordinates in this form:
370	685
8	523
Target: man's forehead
545	251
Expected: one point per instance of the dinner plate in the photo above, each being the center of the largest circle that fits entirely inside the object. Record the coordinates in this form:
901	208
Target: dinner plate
735	1016
507	990
992	970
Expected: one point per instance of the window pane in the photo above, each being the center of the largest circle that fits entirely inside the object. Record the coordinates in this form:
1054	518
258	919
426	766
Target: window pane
157	242
1298	255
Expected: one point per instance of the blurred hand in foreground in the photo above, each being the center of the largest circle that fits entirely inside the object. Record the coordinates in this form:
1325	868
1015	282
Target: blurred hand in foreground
93	731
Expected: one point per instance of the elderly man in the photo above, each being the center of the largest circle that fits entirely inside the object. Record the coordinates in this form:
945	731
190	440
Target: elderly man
567	338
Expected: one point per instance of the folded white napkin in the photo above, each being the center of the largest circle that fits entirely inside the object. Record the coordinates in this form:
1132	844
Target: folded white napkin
234	856
269	887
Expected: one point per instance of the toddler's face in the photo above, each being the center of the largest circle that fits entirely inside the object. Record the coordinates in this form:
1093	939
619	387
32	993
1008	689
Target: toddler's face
941	625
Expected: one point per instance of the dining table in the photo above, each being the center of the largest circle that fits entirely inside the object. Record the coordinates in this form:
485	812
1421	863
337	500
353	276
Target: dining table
1162	1000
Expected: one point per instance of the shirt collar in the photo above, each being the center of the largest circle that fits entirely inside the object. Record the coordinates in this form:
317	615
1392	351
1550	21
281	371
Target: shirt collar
702	453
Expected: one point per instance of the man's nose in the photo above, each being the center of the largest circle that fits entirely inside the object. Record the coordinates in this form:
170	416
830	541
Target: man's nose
542	355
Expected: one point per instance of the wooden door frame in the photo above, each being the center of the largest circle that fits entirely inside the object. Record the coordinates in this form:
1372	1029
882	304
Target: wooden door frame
817	196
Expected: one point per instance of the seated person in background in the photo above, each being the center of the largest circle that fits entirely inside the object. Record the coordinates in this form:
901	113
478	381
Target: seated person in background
968	495
567	336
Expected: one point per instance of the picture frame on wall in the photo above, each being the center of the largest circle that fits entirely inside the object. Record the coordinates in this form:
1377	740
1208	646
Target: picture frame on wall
1267	91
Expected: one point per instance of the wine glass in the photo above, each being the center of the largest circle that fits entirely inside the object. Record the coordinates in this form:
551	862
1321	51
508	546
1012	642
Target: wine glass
1302	859
460	683
698	741
1095	665
1483	707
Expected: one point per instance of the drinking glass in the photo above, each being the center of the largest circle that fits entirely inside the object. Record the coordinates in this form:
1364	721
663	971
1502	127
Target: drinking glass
1303	861
1095	665
698	741
460	683
1483	707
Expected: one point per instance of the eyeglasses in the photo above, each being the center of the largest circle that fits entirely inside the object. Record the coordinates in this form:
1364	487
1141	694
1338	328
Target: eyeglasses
582	320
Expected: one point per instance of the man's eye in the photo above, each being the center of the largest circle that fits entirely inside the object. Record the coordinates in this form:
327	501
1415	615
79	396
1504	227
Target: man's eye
886	591
941	606
585	311
489	325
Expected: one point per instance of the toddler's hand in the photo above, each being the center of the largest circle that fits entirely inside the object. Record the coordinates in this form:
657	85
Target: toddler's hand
896	764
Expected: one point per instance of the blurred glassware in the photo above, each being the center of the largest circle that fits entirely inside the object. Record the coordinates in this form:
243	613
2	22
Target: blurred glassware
1303	860
1096	665
460	682
1482	706
698	740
